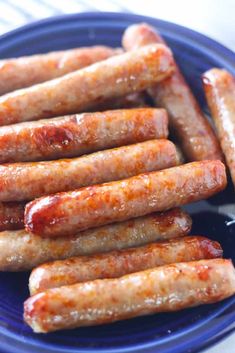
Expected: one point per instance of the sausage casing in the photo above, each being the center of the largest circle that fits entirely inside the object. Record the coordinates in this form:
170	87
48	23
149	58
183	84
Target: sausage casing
28	70
72	136
193	131
66	213
219	86
20	251
26	181
72	93
161	289
118	263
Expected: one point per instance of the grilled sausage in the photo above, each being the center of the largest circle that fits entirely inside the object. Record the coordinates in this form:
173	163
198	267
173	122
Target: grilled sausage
166	288
187	121
76	91
219	87
69	212
20	251
11	215
72	136
26	181
28	70
118	263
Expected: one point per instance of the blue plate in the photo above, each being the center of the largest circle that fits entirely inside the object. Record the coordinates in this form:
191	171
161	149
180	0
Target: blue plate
189	330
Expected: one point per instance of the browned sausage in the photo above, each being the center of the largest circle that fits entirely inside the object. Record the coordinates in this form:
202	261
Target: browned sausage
118	263
26	181
117	76
219	87
20	251
166	288
187	121
66	213
28	70
72	136
11	215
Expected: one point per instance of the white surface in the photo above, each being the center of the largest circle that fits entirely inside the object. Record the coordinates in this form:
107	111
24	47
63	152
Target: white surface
215	18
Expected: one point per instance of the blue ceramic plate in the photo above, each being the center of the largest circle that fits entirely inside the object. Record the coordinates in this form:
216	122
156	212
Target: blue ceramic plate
189	330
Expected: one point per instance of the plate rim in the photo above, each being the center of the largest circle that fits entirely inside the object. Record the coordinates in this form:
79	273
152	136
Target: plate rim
55	19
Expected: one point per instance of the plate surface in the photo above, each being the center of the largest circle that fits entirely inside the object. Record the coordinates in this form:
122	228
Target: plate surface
189	330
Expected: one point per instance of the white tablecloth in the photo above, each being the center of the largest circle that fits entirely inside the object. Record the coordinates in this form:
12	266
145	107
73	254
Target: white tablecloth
214	18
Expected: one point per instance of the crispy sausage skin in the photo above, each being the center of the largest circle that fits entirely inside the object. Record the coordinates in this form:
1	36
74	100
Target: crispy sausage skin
69	212
118	263
26	181
141	293
20	251
72	136
187	121
11	215
28	70
219	86
117	76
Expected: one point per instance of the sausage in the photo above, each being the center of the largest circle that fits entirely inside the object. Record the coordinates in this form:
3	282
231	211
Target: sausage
219	86
187	121
26	71
114	77
118	263
134	100
20	251
72	136
167	288
26	181
11	215
66	213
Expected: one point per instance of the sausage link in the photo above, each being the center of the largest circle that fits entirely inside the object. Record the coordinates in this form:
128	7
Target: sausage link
161	289
72	136
187	121
26	181
117	76
66	213
26	71
134	100
11	215
118	263
219	88
20	251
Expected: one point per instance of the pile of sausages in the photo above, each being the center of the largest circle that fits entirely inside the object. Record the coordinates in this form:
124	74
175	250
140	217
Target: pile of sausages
102	229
